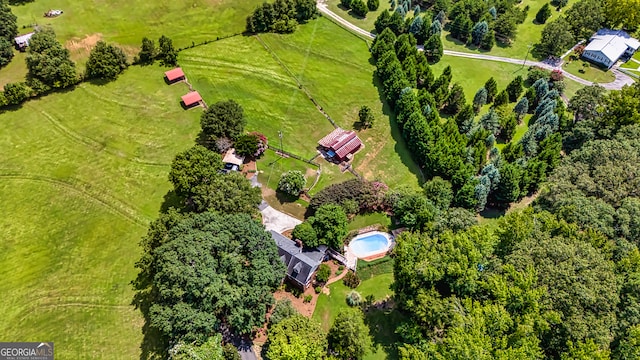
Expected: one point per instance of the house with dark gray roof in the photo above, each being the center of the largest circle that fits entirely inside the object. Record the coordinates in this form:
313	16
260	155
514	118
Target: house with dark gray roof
301	262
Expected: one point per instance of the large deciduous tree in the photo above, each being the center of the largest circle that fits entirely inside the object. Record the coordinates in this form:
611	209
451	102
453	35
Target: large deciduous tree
349	336
296	338
167	54
223	119
106	62
207	270
330	223
227	193
49	63
192	168
556	38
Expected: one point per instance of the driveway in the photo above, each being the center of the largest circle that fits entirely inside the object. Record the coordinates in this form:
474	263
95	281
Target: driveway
620	81
276	220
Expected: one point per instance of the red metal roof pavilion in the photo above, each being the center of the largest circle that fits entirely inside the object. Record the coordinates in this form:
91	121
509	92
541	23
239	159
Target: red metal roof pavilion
191	98
174	74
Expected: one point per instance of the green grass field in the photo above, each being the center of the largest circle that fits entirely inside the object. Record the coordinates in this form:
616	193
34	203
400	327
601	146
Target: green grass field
381	323
83	173
364	23
591	72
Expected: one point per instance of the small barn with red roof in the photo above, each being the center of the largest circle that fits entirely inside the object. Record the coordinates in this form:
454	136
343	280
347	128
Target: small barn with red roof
191	99
340	145
174	75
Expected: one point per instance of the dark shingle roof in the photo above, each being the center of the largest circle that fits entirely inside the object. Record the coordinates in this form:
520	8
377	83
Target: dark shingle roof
301	263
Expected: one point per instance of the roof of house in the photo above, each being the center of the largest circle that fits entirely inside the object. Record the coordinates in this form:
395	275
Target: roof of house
191	98
612	43
342	142
301	263
231	157
174	74
23	39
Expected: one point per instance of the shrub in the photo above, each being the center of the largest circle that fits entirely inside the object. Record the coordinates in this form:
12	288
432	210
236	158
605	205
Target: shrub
324	271
354	298
307	298
318	289
351	280
281	311
340	268
370	196
556	75
292	182
537	73
16	93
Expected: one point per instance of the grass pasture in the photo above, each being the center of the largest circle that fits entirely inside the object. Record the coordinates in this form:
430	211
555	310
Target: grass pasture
367	22
589	72
83	173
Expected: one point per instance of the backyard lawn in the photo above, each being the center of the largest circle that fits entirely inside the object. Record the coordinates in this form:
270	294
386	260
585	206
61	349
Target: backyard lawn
362	221
590	72
83	173
382	323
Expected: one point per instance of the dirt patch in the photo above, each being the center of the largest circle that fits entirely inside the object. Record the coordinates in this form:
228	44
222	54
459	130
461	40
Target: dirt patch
80	48
305	309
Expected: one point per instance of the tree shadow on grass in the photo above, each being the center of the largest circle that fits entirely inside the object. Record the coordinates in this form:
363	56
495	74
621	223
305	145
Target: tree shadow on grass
400	146
382	329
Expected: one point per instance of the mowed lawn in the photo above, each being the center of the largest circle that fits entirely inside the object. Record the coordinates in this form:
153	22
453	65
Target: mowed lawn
83	173
334	66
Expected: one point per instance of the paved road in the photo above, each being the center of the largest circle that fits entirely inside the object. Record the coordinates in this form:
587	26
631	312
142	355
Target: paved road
620	81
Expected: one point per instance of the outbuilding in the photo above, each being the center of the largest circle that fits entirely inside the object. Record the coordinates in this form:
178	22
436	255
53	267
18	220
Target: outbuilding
174	75
191	99
22	41
340	145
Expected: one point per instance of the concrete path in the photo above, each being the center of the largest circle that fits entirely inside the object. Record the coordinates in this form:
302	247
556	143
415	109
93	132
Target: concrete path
620	81
276	220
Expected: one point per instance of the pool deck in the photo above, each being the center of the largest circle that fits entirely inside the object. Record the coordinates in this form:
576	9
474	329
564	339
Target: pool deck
352	257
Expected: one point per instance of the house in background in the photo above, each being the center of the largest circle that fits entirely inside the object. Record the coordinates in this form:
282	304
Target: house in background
232	161
22	41
606	47
301	263
340	145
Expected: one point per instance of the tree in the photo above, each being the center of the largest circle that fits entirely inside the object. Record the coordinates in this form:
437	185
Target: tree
223	119
543	14
480	99
488	41
515	88
491	122
6	51
585	102
506	26
211	349
296	337
349	336
556	38
346	3
492	89
521	108
49	63
373	5
281	311
365	116
501	99
323	274
208	270
192	168
330	223
292	182
480	30
306	233
106	62
247	145
435	28
147	52
622	12
508	189
167	54
461	27
8	22
456	100
382	22
464	119
508	124
359	8
227	193
439	192
433	48
16	93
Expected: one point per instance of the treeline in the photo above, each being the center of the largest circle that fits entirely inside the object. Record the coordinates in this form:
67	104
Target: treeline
281	16
208	266
8	31
556	281
461	150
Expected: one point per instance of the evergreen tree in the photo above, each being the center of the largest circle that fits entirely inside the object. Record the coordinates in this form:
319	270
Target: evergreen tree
515	88
456	100
147	51
461	27
359	8
491	122
167	54
521	108
480	99
493	12
373	5
492	89
433	48
464	119
382	22
479	31
488	41
435	28
416	10
416	27
501	99
543	14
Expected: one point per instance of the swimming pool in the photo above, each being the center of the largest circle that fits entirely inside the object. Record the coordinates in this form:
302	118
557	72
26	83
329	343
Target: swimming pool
370	244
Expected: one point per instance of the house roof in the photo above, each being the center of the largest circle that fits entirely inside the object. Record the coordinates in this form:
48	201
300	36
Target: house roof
174	74
612	43
23	39
301	263
191	98
232	157
342	142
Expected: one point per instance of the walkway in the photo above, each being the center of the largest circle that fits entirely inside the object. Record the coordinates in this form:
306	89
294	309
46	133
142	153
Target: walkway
621	79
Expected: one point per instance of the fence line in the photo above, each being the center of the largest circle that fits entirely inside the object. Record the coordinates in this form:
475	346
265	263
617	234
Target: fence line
273	148
300	85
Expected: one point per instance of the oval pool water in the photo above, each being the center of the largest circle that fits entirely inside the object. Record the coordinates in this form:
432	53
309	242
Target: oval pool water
369	244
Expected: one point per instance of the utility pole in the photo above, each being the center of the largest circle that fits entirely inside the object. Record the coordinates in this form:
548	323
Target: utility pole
527	55
280	136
